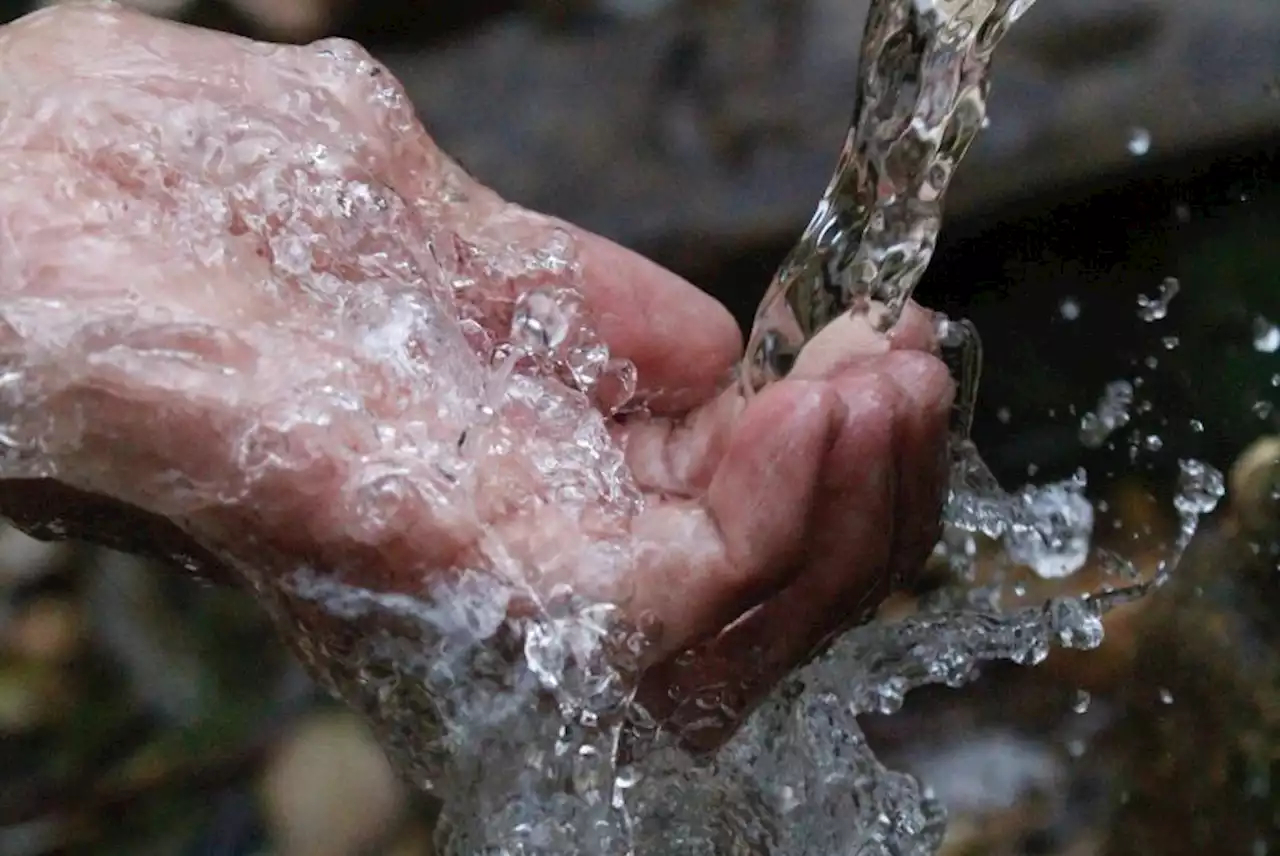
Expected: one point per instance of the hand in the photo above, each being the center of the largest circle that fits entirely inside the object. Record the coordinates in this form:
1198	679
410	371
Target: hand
241	290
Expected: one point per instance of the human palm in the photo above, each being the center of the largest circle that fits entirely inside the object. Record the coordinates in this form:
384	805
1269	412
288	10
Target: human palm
243	291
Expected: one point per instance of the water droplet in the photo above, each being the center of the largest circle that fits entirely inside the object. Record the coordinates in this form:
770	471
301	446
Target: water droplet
1051	528
1157	308
1081	702
1109	415
1139	142
587	364
1076	623
1200	487
1266	336
1115	565
540	323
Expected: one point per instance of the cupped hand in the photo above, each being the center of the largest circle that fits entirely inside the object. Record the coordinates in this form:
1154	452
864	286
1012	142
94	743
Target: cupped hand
242	290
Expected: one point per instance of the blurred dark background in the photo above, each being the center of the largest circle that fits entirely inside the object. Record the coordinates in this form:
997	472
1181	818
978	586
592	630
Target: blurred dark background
1130	141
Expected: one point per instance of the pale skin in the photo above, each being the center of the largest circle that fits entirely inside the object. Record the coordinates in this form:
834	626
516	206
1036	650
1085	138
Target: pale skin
768	526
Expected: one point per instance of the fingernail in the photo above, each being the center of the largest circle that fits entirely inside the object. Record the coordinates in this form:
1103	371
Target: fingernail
841	344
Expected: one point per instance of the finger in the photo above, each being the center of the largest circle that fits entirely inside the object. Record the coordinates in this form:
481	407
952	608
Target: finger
844	566
915	330
678	456
923	460
683	342
748	659
703	563
852	338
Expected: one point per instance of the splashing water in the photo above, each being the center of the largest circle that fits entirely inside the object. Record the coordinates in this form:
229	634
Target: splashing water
1157	308
1110	415
543	729
498	686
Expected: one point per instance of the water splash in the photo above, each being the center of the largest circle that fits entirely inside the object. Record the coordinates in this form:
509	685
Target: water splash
1110	415
509	694
1266	336
1157	308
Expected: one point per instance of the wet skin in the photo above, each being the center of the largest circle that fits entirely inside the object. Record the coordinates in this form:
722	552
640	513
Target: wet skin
768	525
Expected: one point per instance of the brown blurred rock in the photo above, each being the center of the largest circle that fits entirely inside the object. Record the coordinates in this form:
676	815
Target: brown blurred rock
46	631
329	790
1199	734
